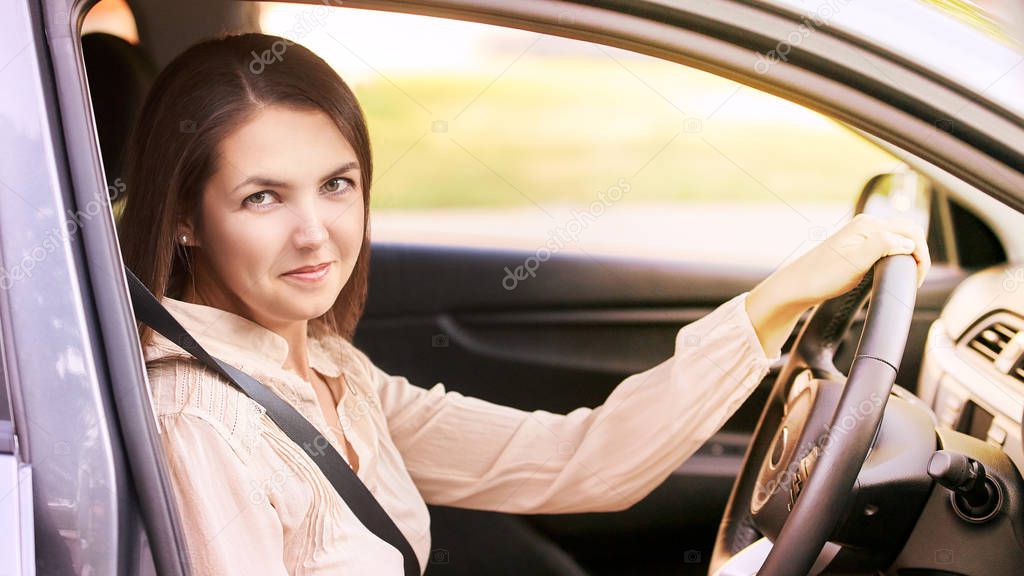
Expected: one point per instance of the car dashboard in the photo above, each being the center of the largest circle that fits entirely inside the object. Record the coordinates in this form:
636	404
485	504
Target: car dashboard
972	372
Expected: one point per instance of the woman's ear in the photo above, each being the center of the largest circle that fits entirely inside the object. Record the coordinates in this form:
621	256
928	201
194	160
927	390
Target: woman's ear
185	236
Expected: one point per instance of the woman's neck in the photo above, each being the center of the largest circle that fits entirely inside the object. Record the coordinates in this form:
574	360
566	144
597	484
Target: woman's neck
295	333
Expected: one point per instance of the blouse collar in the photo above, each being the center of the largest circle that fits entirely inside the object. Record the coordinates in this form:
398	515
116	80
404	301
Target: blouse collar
238	340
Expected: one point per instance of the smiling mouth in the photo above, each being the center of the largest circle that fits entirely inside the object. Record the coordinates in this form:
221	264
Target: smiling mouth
309	273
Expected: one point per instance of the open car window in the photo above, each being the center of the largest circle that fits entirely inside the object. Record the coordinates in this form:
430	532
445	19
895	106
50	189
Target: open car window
500	138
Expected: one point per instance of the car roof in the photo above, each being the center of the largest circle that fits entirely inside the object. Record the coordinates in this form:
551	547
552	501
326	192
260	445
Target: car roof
928	37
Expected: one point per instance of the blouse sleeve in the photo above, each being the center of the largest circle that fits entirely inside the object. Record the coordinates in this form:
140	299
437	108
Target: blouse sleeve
466	452
230	526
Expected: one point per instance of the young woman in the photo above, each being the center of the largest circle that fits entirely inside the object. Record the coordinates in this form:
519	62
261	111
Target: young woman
248	194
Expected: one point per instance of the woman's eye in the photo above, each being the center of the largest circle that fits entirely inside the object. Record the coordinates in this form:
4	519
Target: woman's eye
258	198
337	184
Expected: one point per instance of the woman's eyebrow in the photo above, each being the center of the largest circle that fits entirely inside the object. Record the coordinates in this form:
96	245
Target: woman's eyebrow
267	181
353	165
259	181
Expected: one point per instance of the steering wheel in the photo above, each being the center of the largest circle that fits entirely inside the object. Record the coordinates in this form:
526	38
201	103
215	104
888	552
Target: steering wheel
815	431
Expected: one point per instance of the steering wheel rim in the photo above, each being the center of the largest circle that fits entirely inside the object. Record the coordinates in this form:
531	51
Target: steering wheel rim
892	287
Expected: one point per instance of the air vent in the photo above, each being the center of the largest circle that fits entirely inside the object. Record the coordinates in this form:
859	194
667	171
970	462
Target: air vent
1000	343
992	340
1018	371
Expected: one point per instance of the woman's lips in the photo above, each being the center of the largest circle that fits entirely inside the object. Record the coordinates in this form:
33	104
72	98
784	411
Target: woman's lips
308	274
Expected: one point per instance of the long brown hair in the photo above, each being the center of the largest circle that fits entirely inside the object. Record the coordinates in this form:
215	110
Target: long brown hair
197	100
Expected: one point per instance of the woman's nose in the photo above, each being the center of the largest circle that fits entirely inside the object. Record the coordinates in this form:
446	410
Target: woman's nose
311	229
311	233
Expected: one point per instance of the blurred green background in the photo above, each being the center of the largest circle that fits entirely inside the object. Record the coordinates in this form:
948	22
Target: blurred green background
557	129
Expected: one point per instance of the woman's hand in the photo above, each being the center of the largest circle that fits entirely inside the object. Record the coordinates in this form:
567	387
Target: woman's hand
830	269
836	265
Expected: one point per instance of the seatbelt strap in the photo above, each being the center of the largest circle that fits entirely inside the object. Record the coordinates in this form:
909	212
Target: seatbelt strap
150	311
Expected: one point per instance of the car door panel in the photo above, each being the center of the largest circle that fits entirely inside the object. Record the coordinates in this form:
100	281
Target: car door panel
562	340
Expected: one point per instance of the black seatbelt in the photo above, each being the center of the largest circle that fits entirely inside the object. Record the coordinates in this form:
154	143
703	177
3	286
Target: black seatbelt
148	310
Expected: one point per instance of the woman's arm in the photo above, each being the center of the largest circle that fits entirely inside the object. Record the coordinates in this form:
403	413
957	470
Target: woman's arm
773	314
466	452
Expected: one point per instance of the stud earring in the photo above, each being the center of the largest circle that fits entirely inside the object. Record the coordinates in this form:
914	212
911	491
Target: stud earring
184	238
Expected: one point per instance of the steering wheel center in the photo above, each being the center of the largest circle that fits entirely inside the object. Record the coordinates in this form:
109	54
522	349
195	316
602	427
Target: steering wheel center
794	449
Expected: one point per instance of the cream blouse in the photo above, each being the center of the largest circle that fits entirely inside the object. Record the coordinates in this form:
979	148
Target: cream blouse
252	502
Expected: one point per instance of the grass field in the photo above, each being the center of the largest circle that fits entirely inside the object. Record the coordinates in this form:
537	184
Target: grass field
560	129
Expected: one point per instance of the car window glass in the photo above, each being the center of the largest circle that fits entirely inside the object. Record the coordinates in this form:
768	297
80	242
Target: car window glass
492	137
113	17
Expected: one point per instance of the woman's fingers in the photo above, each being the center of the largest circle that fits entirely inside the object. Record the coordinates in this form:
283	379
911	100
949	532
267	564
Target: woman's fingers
896	243
921	253
903	236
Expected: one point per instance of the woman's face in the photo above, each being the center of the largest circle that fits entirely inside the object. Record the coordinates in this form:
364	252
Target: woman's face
286	195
